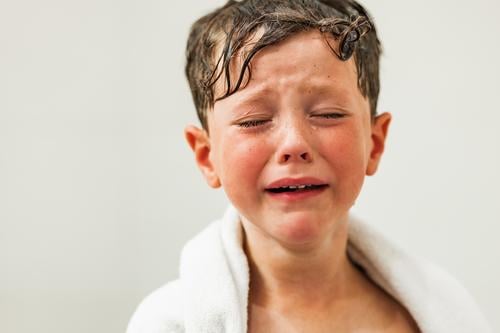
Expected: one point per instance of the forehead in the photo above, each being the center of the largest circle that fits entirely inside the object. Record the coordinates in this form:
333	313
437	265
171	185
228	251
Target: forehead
303	62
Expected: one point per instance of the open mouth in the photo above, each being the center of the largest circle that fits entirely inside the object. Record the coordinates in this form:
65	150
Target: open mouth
296	188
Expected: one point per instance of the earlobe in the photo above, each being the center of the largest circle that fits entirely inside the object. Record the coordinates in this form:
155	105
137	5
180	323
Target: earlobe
199	142
380	128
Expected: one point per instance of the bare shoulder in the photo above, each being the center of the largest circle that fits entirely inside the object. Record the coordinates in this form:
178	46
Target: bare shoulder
377	311
402	323
392	317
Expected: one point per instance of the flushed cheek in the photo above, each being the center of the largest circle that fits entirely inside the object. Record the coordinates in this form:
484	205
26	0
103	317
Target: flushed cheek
241	166
345	156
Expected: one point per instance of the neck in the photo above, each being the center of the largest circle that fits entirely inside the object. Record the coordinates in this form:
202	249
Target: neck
285	279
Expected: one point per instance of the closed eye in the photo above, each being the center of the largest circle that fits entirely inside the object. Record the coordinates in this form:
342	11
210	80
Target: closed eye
330	115
253	123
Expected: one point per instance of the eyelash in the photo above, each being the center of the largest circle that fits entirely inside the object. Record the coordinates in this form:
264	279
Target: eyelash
255	123
330	115
252	123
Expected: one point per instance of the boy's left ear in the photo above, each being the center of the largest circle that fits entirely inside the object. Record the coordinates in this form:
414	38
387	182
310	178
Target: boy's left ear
380	127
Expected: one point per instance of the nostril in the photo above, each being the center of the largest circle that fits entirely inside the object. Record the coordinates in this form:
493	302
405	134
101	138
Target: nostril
306	157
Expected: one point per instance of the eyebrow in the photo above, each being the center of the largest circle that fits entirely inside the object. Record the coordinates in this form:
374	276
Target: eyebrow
248	98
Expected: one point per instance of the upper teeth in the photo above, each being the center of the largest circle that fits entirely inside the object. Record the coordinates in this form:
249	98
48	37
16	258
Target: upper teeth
294	187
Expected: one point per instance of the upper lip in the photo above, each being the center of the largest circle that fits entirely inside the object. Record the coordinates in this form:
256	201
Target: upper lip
295	182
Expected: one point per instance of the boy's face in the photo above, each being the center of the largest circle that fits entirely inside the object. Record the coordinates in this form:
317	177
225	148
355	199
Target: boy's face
301	120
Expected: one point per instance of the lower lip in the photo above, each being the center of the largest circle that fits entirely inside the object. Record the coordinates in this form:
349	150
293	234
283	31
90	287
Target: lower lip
298	195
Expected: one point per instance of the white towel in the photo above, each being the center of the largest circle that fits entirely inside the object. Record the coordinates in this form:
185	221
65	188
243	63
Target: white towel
211	294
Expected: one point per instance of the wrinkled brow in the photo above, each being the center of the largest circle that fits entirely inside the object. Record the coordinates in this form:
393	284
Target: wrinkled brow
250	96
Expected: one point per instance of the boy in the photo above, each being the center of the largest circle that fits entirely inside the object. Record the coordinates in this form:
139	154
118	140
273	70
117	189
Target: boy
286	92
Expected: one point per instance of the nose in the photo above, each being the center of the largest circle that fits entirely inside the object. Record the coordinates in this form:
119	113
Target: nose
295	145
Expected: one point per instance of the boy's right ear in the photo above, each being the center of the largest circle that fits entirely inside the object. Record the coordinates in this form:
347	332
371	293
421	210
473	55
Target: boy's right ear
199	142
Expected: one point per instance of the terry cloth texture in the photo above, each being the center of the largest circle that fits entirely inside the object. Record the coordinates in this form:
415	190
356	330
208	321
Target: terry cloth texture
211	294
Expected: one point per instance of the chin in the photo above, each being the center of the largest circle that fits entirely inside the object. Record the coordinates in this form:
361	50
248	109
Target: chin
300	230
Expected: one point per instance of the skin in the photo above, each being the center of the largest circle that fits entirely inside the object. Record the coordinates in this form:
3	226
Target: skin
300	115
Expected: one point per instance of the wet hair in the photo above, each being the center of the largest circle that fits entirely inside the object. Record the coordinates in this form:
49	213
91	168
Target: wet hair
242	28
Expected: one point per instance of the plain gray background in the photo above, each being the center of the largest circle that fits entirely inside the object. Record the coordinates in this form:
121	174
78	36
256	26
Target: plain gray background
98	190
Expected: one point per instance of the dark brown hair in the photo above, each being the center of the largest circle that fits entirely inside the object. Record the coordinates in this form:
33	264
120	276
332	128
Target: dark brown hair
216	38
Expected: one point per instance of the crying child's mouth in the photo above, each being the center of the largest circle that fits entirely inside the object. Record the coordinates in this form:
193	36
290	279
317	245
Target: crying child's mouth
295	188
